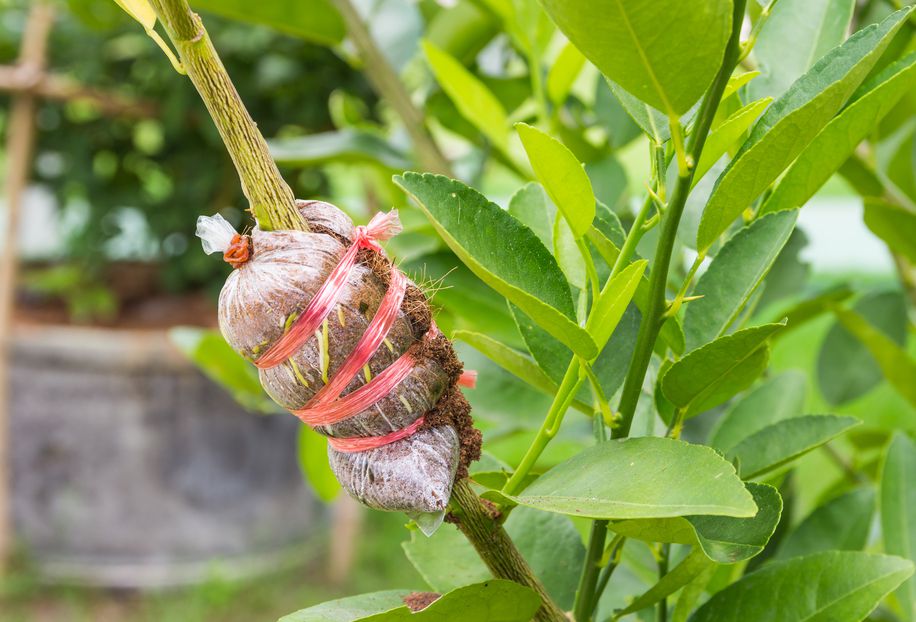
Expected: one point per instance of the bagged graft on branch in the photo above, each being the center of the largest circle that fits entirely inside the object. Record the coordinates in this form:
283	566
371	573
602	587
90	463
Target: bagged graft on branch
347	343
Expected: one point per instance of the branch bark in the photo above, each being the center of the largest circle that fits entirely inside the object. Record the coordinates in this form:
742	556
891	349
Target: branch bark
387	84
271	199
496	548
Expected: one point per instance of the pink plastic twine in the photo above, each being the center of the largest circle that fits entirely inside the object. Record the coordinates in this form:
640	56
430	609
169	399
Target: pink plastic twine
327	407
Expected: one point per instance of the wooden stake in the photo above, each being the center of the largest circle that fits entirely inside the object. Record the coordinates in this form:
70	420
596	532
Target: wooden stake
19	147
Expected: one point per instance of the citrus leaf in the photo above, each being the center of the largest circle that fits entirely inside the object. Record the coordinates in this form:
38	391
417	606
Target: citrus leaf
715	372
893	224
837	141
723	137
503	253
549	542
734	274
723	539
562	176
779	397
474	100
622	38
790	124
652	478
841	524
313	462
786	440
898	511
312	20
839	586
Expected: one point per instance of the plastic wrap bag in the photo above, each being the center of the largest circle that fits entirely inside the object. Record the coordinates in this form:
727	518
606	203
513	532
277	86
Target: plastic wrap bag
413	420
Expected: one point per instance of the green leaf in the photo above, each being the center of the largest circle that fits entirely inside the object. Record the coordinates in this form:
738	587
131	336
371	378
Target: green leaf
651	121
562	176
786	440
350	609
312	20
733	276
511	360
723	539
846	368
715	372
803	312
736	82
790	124
623	39
341	146
652	478
530	207
220	363
841	524
313	462
474	100
140	10
895	225
779	397
896	365
563	73
613	301
504	254
796	35
549	542
837	141
679	576
898	512
492	601
726	135
568	254
836	586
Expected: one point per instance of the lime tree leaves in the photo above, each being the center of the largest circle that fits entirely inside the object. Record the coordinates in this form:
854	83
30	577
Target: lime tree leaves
709	375
836	586
723	539
562	176
548	541
836	142
640	478
474	100
734	275
623	38
790	124
898	512
490	601
786	440
502	252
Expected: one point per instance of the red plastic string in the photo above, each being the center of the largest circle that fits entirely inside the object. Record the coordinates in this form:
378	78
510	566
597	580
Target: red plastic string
368	344
468	379
356	444
327	407
381	227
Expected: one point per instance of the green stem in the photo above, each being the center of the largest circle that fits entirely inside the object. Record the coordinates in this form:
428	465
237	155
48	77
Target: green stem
561	401
633	237
661	613
616	550
388	84
584	605
653	317
271	199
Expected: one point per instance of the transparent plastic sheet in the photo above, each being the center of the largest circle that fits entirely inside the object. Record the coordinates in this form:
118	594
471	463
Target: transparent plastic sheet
268	296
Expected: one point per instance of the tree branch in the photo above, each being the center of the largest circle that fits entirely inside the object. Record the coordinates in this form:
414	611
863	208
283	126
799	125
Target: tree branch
496	549
387	83
271	199
653	317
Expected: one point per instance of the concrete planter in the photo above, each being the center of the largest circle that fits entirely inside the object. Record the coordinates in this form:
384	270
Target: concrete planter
131	469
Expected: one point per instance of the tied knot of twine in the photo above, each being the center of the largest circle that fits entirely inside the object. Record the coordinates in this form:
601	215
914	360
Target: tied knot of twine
238	251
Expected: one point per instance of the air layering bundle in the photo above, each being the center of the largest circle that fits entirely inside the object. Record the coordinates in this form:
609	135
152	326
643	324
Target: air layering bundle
346	342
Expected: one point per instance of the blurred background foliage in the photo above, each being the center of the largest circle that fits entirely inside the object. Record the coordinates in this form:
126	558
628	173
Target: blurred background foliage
131	189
